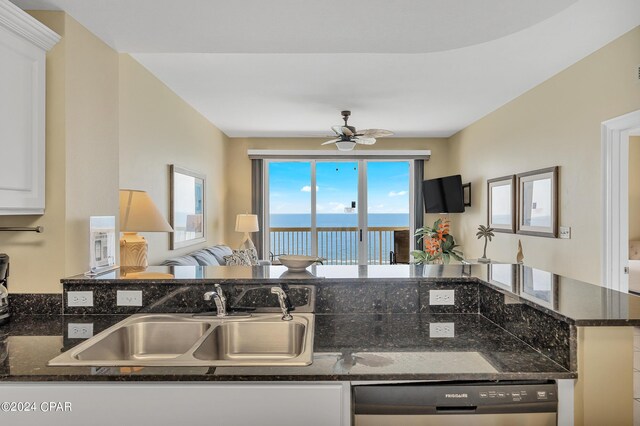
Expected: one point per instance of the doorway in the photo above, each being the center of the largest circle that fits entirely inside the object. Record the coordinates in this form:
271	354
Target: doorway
615	199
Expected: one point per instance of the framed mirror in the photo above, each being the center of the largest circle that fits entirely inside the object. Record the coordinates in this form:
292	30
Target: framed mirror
188	215
538	202
501	214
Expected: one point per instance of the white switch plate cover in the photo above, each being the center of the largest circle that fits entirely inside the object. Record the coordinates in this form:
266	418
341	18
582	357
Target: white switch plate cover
129	298
441	329
441	297
80	298
565	232
80	330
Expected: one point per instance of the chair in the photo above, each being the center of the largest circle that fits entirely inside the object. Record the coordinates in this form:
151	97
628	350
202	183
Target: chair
400	253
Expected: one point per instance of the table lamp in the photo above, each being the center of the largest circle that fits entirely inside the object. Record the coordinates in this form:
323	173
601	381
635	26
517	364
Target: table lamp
247	223
138	213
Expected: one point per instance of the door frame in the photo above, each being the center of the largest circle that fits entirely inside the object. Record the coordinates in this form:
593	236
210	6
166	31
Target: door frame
615	200
362	196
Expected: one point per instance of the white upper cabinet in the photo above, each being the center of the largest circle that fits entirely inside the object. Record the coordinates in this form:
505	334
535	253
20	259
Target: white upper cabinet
24	42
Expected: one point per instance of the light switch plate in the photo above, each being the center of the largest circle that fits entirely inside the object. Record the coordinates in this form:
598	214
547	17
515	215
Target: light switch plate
129	298
441	329
80	331
565	232
79	298
441	297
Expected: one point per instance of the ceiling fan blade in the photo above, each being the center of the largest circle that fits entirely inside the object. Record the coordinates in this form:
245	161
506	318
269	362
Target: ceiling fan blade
364	141
374	133
346	131
337	130
331	141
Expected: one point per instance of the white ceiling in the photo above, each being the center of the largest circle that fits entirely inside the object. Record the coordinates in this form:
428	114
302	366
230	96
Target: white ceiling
287	67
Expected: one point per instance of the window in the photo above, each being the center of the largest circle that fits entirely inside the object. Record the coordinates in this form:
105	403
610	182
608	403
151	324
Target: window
348	212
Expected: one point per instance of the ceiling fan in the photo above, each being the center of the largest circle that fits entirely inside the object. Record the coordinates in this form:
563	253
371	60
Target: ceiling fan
349	137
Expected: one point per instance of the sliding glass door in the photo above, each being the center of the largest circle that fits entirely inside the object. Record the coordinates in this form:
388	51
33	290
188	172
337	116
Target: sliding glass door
337	220
347	212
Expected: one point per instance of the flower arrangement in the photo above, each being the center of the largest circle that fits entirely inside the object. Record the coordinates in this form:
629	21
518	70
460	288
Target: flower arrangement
439	245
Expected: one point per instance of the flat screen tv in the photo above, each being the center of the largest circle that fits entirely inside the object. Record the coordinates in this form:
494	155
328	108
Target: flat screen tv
443	195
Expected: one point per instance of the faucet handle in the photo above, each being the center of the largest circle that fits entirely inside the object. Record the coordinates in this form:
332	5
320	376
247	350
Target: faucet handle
220	292
283	299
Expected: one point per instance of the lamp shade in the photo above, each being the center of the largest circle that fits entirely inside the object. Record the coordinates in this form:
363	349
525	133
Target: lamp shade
247	223
138	213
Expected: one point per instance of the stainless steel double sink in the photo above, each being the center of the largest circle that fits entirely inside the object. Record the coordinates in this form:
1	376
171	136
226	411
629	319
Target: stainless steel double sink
187	340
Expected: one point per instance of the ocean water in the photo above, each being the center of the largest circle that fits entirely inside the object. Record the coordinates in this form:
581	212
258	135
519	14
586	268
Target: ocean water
338	248
337	220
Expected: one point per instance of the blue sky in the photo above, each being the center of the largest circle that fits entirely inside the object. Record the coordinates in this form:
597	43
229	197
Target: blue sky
290	187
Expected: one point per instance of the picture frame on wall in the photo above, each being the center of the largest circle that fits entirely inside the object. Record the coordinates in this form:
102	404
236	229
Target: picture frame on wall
538	202
188	207
501	211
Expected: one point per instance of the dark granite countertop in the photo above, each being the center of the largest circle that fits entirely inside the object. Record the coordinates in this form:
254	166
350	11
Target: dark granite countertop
346	347
578	303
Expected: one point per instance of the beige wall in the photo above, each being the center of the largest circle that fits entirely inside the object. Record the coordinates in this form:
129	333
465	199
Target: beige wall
157	128
238	189
81	160
110	124
91	139
556	123
634	188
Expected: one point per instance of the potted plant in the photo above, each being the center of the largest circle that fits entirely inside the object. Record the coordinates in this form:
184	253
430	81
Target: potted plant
486	233
439	245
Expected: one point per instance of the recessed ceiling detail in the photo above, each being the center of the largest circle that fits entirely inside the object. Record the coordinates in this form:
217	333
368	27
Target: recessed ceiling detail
301	26
281	68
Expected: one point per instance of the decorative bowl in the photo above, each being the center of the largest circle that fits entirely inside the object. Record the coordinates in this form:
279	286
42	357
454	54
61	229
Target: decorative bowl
295	262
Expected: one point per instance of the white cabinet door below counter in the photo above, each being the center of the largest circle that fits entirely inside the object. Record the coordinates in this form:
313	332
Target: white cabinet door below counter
265	404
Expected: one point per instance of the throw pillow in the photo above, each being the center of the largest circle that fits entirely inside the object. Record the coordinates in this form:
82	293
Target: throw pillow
252	254
237	258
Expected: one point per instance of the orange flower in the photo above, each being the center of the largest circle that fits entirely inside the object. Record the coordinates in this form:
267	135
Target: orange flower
432	246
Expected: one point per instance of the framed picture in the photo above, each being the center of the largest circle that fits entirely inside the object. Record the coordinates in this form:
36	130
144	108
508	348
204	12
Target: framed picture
188	215
538	202
501	214
466	194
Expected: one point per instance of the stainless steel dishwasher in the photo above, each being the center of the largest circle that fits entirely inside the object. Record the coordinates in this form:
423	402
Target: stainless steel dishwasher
459	403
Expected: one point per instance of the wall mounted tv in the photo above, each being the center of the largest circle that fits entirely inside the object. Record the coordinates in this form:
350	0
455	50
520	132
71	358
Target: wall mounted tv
443	195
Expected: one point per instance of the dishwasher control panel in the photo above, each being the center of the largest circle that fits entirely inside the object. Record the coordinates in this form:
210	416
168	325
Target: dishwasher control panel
494	394
456	398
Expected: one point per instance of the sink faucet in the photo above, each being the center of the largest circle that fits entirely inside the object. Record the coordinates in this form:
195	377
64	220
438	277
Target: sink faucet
285	305
220	300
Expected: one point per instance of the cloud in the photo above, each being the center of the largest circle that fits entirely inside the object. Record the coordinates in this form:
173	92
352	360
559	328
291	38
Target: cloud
307	188
397	194
337	207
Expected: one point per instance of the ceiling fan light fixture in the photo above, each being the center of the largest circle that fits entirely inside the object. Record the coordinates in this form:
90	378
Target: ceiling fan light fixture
345	145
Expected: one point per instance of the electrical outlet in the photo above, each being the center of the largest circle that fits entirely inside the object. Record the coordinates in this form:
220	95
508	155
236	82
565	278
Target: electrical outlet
80	331
79	298
441	329
441	297
565	232
129	298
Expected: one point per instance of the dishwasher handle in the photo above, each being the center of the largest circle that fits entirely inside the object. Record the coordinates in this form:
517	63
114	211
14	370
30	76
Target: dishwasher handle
460	409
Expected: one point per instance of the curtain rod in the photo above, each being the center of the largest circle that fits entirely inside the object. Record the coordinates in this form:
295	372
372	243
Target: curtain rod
356	154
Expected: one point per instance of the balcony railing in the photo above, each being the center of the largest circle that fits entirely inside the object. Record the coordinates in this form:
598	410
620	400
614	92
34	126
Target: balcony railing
339	246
